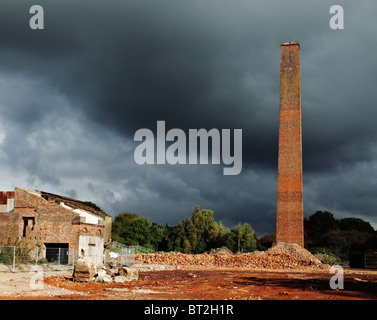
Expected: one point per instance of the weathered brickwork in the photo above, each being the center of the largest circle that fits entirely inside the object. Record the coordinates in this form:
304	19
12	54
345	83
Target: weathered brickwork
290	223
40	219
9	226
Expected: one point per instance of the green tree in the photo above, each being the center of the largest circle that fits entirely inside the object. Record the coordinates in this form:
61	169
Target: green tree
138	232
196	234
157	234
166	243
342	240
323	231
200	225
193	235
317	225
243	239
130	229
186	246
174	236
266	241
217	235
120	224
356	224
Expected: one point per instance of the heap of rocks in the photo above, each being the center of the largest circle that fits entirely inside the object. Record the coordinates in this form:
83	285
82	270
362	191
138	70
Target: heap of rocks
85	271
122	274
223	249
295	251
280	256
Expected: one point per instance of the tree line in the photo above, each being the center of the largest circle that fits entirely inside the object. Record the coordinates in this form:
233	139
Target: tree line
197	234
323	230
200	233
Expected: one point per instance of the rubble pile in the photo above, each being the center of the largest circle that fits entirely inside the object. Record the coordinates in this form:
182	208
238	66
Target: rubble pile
122	274
280	256
295	251
223	249
85	271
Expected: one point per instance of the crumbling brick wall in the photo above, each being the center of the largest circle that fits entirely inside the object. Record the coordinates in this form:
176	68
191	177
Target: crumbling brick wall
40	221
53	223
9	226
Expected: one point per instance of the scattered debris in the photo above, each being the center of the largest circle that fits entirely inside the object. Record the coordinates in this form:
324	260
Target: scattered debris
103	276
129	273
119	275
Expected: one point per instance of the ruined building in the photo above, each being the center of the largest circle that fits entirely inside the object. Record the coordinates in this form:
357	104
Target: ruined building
52	221
290	210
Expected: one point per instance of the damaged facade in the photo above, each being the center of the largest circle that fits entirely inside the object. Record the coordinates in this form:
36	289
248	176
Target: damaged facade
52	221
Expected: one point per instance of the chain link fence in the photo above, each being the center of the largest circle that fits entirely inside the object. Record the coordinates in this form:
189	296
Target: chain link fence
18	259
23	259
122	255
127	257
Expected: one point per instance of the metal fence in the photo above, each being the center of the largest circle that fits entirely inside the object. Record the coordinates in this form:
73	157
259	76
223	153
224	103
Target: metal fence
122	254
127	257
16	258
117	246
23	259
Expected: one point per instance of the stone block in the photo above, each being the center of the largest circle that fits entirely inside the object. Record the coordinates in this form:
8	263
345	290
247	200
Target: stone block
84	269
103	276
129	273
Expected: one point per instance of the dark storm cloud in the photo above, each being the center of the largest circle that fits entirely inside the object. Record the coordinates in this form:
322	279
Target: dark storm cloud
191	64
73	95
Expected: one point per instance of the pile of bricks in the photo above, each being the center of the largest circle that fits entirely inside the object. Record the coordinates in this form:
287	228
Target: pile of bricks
281	256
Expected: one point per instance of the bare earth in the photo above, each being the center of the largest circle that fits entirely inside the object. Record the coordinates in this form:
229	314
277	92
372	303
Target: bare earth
283	272
197	283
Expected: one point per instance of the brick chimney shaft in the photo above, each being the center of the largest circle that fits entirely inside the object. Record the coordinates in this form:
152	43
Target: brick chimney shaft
290	210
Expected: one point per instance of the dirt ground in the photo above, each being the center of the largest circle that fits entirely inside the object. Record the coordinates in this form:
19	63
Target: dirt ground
196	283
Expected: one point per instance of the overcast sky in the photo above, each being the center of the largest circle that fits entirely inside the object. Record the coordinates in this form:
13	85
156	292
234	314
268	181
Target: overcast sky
73	95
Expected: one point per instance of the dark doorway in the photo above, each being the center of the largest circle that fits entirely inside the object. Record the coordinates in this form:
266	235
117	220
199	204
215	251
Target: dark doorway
57	252
29	223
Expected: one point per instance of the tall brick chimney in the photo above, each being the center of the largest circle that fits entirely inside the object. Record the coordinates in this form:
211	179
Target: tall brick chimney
290	210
